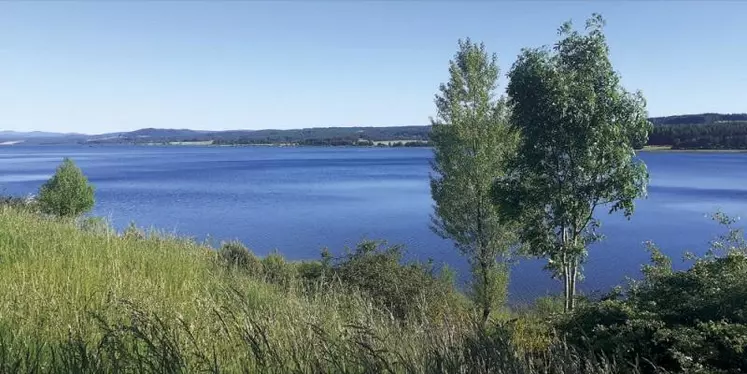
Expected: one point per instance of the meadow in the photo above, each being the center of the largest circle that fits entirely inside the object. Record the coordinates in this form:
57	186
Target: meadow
83	298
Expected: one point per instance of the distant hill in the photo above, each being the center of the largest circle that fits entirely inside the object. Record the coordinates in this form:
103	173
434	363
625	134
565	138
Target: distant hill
147	135
663	133
164	133
310	136
700	131
698	119
39	137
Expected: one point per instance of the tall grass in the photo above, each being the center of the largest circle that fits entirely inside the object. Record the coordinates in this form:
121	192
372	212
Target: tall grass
78	301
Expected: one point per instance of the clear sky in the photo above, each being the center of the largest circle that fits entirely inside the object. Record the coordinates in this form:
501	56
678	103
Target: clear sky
96	67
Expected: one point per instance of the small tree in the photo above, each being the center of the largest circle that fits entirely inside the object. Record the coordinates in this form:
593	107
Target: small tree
578	131
471	140
67	193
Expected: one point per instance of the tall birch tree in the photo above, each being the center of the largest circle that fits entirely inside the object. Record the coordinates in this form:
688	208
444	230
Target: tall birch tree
471	140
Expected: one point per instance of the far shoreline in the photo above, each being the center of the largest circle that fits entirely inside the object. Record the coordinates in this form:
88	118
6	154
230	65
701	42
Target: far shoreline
669	149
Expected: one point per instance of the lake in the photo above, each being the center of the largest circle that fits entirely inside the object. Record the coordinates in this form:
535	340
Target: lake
299	200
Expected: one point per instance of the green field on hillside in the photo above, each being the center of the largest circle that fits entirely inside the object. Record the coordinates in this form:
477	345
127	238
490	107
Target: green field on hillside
91	300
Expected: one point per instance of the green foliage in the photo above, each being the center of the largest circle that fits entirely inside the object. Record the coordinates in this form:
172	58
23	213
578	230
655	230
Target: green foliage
311	270
277	270
331	136
720	135
236	256
132	232
691	321
406	290
96	225
67	193
578	131
548	306
314	274
489	287
698	119
273	268
79	302
471	141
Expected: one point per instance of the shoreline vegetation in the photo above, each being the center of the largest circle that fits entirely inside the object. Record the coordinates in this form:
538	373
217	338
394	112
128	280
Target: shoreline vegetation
695	132
669	149
708	131
396	143
423	144
508	181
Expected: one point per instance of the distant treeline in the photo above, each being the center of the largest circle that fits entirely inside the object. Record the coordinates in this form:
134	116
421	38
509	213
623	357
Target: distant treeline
700	131
326	142
698	119
691	131
327	136
330	136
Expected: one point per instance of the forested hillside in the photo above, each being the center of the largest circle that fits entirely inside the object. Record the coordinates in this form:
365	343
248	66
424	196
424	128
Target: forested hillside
700	131
698	119
690	131
309	136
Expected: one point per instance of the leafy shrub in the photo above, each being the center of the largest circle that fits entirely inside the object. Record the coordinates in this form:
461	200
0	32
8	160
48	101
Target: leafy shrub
547	306
406	289
277	270
96	225
235	255
132	232
312	274
315	274
693	320
531	326
67	193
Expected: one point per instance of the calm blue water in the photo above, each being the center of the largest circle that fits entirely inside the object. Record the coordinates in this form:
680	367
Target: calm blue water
299	200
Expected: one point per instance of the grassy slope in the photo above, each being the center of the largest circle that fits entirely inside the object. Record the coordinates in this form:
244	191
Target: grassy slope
61	282
55	272
75	301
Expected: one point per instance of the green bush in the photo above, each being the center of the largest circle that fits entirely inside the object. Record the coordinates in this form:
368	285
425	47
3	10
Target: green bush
132	232
235	255
67	193
96	225
312	274
693	320
277	270
407	290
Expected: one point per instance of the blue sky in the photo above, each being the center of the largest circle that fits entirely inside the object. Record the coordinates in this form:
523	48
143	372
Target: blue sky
110	66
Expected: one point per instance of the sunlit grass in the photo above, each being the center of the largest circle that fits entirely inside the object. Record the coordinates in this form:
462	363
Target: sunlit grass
81	301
